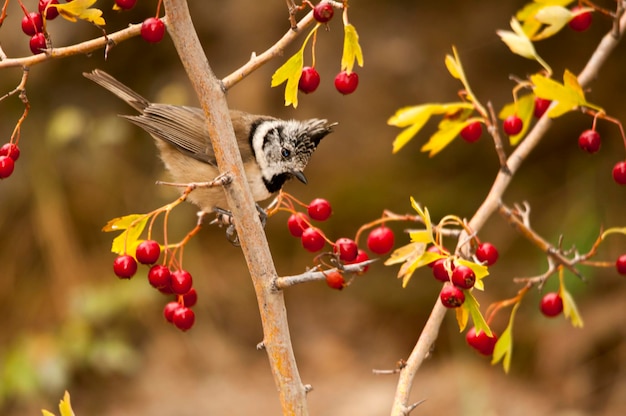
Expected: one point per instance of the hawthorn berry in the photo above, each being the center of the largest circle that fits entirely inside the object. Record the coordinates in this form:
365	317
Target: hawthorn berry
297	224
433	249
380	240
37	43
309	80
551	304
52	12
463	277
32	23
620	264
582	21
323	12
148	252
619	173
11	150
360	257
439	270
541	106
346	83
181	281
7	165
472	132
125	4
481	342
169	309
451	296
160	277
183	318
312	239
319	209
125	266
152	30
487	253
589	141
512	125
190	298
335	280
346	249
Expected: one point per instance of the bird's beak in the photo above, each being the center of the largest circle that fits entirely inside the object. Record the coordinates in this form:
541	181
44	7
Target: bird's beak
300	176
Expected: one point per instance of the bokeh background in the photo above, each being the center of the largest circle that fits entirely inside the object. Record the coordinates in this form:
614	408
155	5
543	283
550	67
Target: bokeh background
68	323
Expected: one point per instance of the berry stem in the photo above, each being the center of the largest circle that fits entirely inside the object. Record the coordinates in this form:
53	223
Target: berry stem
158	9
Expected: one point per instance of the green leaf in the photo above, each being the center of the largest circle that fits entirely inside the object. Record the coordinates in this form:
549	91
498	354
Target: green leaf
524	109
569	307
351	49
80	9
504	346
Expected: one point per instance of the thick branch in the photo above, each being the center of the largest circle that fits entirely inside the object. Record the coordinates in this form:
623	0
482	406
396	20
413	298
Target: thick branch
489	206
253	242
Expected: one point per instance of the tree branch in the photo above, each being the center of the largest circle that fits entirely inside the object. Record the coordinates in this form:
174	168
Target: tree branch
253	242
431	329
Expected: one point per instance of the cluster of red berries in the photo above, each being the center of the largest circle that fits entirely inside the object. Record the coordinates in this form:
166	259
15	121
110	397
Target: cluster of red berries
9	153
345	82
379	241
177	282
461	277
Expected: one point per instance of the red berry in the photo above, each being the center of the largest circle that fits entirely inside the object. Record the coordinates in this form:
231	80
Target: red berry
551	304
125	4
181	282
52	12
487	253
297	224
620	264
433	249
183	318
512	125
346	83
37	43
152	30
581	22
481	342
472	132
541	106
11	150
125	266
451	296
335	280
160	277
346	248
148	252
323	12
32	23
463	277
319	209
309	80
169	309
439	270
619	173
190	298
6	166
380	240
360	257
589	141
312	239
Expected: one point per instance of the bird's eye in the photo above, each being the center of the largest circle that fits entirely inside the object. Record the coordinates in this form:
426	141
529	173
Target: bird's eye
284	152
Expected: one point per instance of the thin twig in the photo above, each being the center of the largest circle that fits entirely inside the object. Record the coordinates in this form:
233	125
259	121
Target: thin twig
312	275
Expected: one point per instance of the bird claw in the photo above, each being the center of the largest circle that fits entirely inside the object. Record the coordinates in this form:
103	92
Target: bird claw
225	217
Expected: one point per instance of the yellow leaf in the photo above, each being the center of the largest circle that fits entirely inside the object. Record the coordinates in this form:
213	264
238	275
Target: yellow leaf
121	223
404	137
480	271
47	413
519	43
569	305
351	49
524	110
79	9
462	316
614	230
554	18
443	137
133	226
473	307
568	96
65	407
453	63
425	216
527	14
504	346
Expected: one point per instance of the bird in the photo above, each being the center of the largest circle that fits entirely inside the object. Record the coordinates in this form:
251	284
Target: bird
273	150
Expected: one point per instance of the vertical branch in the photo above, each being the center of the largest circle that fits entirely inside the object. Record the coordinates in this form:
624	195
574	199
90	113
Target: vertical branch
429	334
276	340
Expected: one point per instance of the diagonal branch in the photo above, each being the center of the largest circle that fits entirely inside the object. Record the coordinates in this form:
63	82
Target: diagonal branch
431	329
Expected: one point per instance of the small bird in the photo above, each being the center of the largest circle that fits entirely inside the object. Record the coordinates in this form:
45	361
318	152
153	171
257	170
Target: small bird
272	150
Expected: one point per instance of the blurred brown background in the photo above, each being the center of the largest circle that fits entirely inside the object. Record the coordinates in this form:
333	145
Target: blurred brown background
68	323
